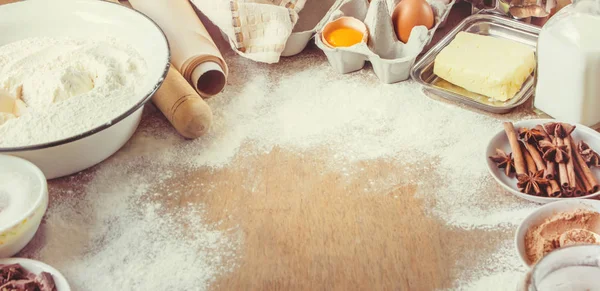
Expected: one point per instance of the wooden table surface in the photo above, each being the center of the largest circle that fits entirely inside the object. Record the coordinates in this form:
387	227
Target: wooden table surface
295	237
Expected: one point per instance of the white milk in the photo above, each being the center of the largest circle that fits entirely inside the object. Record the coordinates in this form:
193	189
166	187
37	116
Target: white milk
16	197
568	72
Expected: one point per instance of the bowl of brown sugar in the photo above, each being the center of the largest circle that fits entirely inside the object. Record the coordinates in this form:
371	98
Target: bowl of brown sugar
557	225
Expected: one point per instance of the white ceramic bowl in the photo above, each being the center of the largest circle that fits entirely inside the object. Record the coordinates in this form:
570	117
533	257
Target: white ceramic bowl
544	212
18	231
37	267
80	19
499	140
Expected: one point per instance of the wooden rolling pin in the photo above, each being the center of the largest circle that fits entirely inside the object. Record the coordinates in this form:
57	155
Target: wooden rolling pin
183	107
180	103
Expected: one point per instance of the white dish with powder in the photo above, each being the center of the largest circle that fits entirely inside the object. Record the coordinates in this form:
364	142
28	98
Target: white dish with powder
539	215
500	141
23	202
93	135
37	267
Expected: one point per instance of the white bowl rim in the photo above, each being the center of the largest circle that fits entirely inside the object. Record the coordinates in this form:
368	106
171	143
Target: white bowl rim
58	277
41	196
535	214
516	192
115	120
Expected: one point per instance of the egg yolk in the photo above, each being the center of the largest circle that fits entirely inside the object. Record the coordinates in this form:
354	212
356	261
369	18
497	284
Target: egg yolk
343	37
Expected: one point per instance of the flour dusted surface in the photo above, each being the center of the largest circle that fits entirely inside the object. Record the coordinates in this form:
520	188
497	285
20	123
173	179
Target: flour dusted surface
118	209
70	86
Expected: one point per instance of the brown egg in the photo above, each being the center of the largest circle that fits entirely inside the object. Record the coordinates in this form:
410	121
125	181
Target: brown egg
411	13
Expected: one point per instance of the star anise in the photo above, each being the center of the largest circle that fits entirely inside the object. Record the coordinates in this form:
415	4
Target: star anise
590	157
553	152
531	135
504	161
559	129
532	183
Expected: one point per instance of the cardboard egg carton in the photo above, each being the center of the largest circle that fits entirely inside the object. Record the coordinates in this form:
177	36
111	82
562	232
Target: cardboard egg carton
311	18
391	59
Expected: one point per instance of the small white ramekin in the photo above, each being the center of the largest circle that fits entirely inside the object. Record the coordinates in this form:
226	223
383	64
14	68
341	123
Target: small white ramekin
17	233
544	212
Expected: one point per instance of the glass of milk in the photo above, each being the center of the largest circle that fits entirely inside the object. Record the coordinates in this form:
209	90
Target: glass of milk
574	268
568	64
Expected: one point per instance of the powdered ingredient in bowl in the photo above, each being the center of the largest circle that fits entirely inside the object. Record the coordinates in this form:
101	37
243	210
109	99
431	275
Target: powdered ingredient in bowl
16	197
69	86
544	238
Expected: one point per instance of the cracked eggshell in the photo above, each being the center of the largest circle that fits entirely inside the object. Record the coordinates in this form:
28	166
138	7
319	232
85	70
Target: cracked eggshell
20	108
344	22
11	105
7	103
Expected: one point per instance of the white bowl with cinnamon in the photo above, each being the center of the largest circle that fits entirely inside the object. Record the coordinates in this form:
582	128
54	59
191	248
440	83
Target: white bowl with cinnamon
545	160
556	225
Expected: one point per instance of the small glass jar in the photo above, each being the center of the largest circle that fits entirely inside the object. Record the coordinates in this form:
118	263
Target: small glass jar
568	64
567	269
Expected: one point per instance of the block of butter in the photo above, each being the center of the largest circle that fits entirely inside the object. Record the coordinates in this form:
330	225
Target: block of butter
493	67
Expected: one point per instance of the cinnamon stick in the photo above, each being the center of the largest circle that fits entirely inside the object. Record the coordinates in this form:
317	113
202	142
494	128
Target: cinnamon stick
579	190
553	189
568	192
535	154
585	184
562	168
516	148
550	170
570	167
585	171
531	166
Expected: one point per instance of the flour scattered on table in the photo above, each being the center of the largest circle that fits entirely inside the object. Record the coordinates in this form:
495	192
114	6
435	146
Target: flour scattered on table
313	110
363	121
501	271
115	234
318	110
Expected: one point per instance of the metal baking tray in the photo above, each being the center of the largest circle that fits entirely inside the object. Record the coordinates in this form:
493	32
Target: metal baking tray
484	24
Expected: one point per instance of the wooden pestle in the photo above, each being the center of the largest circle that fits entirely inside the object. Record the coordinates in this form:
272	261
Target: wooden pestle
184	108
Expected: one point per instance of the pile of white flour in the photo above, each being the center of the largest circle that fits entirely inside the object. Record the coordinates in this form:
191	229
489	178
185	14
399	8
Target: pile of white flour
69	86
